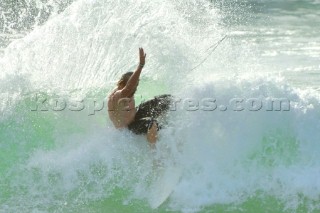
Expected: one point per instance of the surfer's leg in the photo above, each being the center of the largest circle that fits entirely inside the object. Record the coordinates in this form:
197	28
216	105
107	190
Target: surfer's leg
152	134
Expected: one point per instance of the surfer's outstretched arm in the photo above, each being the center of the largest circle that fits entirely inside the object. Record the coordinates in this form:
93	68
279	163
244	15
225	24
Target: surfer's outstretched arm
134	79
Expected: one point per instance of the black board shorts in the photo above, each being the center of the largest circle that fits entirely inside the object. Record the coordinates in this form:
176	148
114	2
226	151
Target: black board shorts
148	112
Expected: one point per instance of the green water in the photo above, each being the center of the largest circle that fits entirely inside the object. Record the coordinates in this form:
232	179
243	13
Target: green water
67	160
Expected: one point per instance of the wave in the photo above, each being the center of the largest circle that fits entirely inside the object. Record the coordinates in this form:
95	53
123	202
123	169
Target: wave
72	161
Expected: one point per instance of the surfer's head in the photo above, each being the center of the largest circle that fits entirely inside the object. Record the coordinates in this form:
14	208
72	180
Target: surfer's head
124	79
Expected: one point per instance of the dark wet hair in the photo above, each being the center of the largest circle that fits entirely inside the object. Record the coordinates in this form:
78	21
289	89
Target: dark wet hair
124	79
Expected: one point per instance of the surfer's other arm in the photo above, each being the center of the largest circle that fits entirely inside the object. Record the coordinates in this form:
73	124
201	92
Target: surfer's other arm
133	81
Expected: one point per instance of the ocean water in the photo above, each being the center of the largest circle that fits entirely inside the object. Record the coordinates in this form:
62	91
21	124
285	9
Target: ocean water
238	152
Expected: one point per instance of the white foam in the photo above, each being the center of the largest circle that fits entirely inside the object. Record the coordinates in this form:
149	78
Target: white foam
225	156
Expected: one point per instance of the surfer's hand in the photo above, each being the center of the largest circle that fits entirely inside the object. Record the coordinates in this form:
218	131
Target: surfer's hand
142	57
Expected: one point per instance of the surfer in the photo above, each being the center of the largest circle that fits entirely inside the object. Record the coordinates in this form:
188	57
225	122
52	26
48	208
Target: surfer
122	110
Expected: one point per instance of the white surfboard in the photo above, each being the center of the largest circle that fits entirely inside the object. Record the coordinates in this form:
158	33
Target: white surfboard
163	186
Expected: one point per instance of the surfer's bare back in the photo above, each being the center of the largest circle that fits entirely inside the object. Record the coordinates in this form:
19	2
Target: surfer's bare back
122	110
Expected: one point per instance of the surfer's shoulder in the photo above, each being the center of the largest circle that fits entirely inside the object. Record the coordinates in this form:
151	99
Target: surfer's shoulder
114	93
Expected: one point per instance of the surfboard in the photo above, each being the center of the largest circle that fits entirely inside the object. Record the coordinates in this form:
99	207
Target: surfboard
163	185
